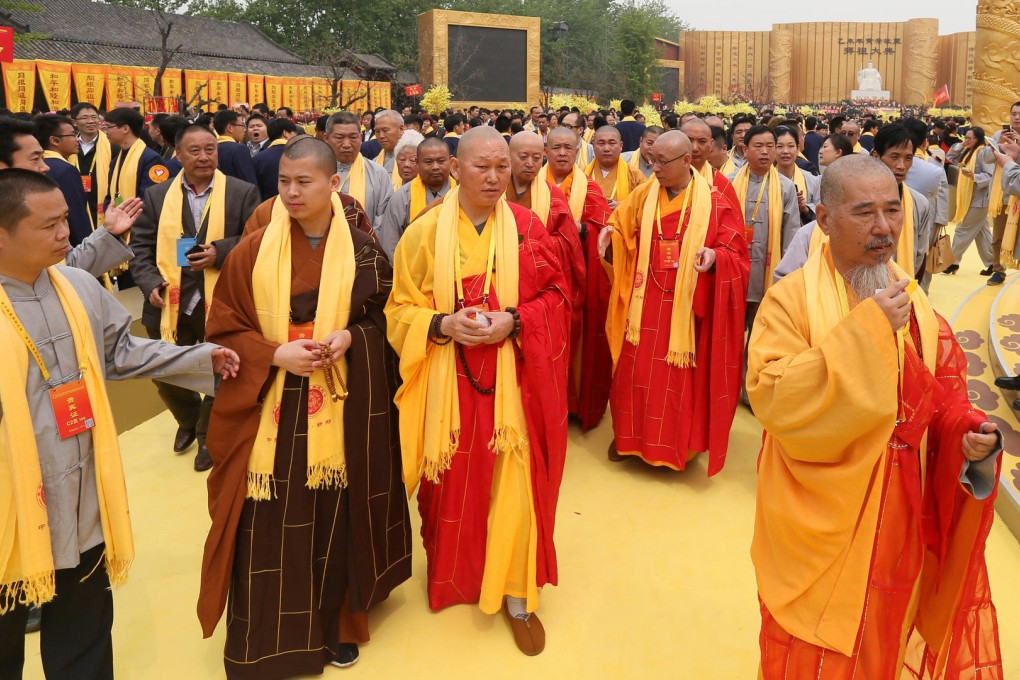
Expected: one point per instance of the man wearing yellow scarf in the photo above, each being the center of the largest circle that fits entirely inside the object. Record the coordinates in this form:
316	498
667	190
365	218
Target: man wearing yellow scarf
389	126
876	478
412	199
94	155
977	170
591	368
770	211
480	314
676	313
56	135
306	498
575	123
1003	204
368	182
641	158
702	144
65	533
234	157
206	210
135	167
610	172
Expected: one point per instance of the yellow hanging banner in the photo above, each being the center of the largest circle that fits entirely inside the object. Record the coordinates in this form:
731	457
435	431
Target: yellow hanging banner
89	82
274	93
120	86
305	94
290	93
19	84
219	89
196	86
55	78
145	87
238	88
321	92
256	89
173	84
353	95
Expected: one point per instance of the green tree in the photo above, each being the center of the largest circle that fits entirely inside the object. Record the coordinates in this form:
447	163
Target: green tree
634	56
8	6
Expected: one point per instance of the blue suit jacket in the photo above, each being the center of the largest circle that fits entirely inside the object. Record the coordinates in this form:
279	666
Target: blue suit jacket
630	133
812	145
235	161
371	149
174	166
267	170
151	171
69	180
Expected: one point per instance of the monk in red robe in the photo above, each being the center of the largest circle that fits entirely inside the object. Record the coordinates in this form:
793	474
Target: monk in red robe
591	372
675	323
700	134
480	316
310	526
877	478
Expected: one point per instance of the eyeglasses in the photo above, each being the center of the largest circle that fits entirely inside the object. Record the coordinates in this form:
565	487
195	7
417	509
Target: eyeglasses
70	134
88	119
656	161
576	127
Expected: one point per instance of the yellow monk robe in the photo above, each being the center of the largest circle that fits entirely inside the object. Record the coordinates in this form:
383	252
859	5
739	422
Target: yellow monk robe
860	511
621	180
489	465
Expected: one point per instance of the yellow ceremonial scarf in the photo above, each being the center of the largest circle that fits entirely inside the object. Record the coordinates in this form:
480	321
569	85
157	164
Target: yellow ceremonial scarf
682	343
622	187
124	183
582	159
394	175
922	154
588	134
225	138
707	173
858	148
101	167
541	199
965	187
169	230
419	201
356	177
429	443
271	281
635	160
26	556
280	141
1009	234
578	189
905	245
996	196
798	180
729	167
774	247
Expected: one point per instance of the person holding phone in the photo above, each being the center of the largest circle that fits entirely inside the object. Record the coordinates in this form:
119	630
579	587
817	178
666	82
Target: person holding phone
184	233
998	199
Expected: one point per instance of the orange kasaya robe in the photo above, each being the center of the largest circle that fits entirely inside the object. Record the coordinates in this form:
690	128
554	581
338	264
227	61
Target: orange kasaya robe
455	509
662	412
613	187
592	365
868	550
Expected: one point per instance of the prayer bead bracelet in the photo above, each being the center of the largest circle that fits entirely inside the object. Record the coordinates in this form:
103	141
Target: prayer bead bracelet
435	331
333	377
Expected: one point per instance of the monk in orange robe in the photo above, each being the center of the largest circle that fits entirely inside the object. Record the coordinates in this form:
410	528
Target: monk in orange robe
480	316
675	325
700	134
876	477
591	372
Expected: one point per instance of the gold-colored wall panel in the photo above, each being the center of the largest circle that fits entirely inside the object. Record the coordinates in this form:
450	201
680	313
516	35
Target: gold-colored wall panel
996	64
956	66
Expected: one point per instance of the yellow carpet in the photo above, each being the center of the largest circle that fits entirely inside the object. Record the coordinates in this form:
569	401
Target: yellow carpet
656	581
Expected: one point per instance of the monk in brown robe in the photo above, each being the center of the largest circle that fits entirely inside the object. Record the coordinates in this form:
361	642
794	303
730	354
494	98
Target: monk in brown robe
309	529
354	211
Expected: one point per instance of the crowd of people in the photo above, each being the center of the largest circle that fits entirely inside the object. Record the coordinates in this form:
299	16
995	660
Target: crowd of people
392	303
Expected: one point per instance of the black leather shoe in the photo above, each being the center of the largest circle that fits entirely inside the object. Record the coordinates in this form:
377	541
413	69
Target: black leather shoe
996	279
203	461
34	619
1008	382
345	654
183	440
987	271
952	269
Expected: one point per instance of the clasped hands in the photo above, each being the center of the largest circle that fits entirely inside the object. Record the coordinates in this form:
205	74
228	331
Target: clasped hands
465	329
304	357
704	259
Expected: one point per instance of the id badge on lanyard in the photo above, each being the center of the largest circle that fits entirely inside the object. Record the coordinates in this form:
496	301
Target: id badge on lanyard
72	409
667	254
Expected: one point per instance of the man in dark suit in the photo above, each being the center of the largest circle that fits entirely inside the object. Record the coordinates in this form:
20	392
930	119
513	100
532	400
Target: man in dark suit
59	142
812	140
267	161
175	297
234	157
630	130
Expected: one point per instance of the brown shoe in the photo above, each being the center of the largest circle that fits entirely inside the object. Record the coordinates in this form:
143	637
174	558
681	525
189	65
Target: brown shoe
614	455
528	633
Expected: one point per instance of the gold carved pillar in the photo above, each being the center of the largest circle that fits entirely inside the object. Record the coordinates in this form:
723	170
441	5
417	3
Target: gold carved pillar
920	61
781	64
996	63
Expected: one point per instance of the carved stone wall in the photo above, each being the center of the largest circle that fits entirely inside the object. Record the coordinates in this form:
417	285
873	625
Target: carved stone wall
997	62
920	61
781	64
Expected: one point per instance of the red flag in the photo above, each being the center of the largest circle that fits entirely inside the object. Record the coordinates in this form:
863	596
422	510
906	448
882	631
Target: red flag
6	44
412	90
941	95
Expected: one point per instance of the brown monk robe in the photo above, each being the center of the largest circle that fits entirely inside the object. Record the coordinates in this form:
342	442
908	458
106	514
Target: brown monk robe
303	566
355	213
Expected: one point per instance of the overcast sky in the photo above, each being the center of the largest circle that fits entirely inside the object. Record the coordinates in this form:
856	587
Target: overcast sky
754	15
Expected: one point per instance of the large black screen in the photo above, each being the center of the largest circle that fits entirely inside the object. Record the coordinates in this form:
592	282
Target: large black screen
488	64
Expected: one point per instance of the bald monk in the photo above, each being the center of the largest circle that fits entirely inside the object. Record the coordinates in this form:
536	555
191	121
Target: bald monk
479	314
591	365
876	479
700	134
575	123
610	172
675	325
309	520
641	157
527	190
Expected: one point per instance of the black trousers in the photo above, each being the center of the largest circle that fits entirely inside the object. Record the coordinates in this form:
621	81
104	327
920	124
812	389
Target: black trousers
190	409
75	636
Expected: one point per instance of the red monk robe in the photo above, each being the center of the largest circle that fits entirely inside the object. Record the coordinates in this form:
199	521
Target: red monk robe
455	511
662	412
927	608
592	367
724	187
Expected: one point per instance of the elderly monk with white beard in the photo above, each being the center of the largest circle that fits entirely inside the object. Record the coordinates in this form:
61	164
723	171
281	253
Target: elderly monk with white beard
877	478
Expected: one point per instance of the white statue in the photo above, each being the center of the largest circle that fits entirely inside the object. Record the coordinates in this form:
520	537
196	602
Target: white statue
869	79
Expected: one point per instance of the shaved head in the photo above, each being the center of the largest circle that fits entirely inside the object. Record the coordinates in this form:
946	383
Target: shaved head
697	123
477	139
527	140
607	131
674	142
433	143
556	134
310	147
846	170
